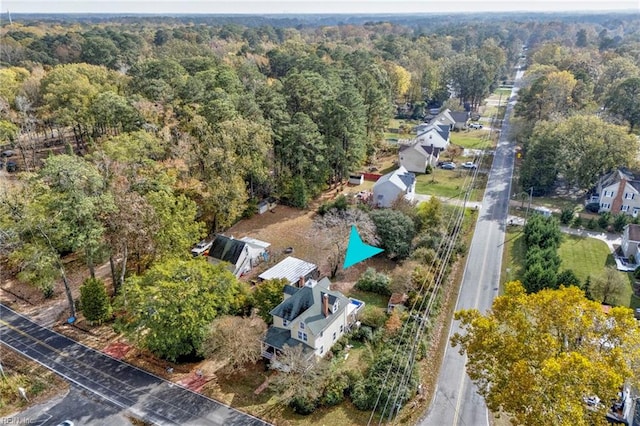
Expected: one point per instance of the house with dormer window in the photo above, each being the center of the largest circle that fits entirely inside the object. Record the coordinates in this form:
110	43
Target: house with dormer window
313	316
618	192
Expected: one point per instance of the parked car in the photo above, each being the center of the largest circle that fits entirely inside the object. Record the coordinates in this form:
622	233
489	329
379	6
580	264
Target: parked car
12	166
7	153
470	165
201	248
592	207
448	166
475	126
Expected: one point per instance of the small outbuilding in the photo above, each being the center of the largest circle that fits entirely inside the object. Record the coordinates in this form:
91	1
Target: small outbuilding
356	179
292	269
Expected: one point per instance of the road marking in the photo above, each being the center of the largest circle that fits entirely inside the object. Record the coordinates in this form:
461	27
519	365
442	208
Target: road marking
461	386
37	341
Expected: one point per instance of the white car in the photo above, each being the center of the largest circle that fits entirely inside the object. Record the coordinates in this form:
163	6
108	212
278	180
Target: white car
469	165
200	248
475	126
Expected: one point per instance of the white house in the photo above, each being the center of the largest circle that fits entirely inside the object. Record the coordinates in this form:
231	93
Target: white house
434	135
618	192
630	241
313	316
399	183
415	157
240	255
454	119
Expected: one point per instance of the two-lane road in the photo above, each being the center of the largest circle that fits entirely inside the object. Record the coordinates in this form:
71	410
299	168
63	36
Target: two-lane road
456	401
144	395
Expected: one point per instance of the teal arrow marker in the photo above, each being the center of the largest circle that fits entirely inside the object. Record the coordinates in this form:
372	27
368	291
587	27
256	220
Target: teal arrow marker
357	251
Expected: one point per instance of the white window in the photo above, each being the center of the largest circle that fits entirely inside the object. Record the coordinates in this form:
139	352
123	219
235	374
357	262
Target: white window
285	322
341	328
629	196
302	336
605	205
335	307
635	212
608	193
624	208
321	349
334	335
301	325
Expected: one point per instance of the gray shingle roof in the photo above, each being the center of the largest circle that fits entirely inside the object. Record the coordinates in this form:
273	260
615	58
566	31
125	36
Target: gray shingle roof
227	249
306	305
400	177
634	232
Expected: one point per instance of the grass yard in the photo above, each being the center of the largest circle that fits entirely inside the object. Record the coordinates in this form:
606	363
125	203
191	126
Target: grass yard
513	255
585	256
369	299
472	139
589	257
446	183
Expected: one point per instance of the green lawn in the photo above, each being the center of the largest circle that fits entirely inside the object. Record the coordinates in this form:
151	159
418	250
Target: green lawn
585	256
472	139
505	93
370	299
447	183
513	255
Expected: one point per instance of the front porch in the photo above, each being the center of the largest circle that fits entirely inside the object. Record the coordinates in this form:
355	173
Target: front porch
276	339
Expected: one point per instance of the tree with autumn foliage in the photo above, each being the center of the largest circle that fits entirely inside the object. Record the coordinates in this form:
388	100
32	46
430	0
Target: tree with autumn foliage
537	356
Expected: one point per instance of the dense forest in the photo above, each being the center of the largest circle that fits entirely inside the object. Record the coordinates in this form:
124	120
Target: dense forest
139	136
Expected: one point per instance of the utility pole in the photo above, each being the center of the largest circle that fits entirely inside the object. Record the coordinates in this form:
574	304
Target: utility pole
529	205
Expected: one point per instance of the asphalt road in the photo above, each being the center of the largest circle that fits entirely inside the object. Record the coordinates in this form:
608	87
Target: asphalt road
456	401
79	406
144	395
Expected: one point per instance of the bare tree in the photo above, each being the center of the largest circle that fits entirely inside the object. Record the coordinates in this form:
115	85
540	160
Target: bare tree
608	286
332	232
300	374
235	341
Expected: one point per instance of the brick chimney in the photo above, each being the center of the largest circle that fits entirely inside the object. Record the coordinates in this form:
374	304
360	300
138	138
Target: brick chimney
325	304
616	204
301	282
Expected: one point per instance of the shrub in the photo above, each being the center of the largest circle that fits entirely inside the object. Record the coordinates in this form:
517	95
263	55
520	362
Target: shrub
340	204
636	273
375	282
577	221
251	209
566	216
335	390
592	224
363	334
373	316
619	222
604	219
94	301
340	344
303	404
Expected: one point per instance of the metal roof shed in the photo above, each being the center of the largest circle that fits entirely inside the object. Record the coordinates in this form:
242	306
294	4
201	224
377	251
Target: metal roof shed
291	269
